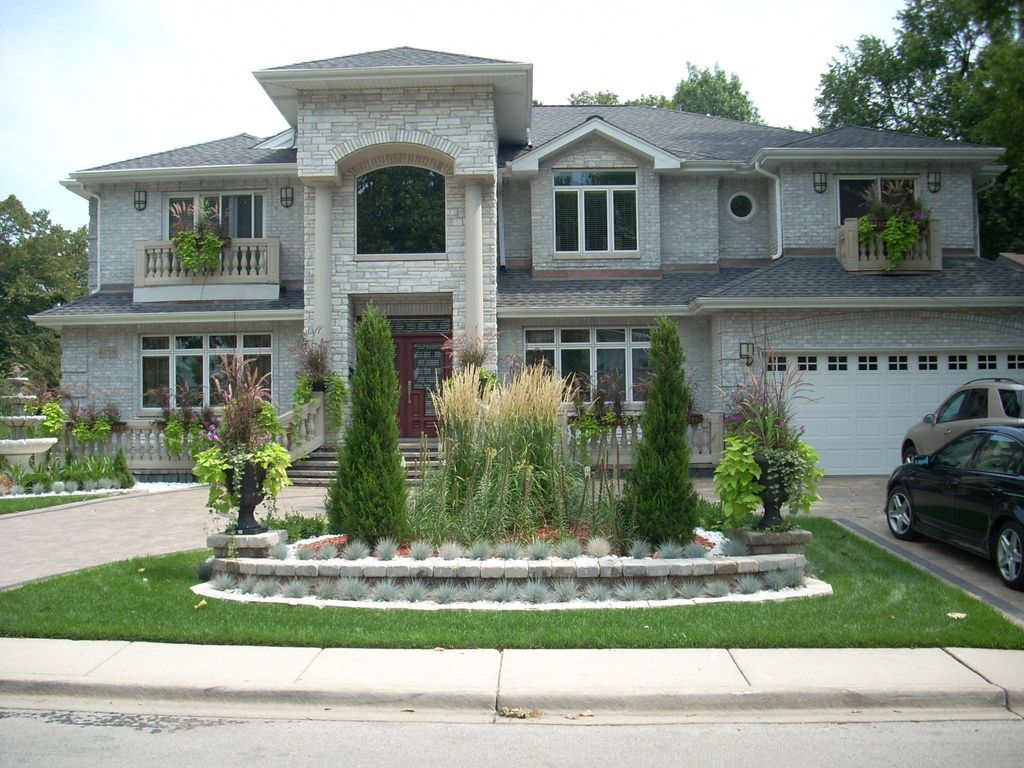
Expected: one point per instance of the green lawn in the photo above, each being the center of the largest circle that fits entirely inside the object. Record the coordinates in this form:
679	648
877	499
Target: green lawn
880	601
38	502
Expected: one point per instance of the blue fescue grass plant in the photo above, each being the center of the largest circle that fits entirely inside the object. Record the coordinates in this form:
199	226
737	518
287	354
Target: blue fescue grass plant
671	550
749	583
327	552
598	546
473	593
356	550
509	550
535	592
305	553
415	591
296	589
450	550
329	589
718	587
247	584
689	590
385	591
640	549
386	549
538	549
224	582
481	549
659	590
565	590
352	589
735	548
279	551
694	549
421	549
267	588
569	548
630	591
504	591
446	593
596	593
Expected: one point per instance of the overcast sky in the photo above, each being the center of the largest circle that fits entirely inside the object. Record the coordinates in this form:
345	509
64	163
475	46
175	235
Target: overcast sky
95	81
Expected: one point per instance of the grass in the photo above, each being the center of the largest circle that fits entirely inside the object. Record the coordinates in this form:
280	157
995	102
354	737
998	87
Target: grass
8	506
879	601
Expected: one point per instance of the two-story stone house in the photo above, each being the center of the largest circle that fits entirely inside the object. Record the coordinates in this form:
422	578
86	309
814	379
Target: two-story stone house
428	183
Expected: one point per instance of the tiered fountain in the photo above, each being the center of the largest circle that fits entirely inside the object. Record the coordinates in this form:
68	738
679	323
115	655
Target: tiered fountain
21	450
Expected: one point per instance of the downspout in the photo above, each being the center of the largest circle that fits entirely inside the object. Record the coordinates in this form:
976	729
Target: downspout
501	221
778	205
99	240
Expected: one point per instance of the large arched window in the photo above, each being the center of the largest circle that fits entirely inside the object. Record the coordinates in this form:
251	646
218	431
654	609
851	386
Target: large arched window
400	210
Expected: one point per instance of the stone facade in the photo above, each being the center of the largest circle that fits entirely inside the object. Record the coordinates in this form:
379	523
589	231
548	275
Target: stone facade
689	220
747	238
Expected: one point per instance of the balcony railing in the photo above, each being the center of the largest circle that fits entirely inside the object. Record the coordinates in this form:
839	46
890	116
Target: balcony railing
616	447
924	256
244	262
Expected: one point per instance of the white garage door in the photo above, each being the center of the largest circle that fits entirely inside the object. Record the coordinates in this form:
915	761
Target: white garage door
865	402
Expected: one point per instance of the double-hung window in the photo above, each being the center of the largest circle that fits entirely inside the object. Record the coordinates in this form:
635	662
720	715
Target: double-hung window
856	195
595	211
610	362
238	215
184	370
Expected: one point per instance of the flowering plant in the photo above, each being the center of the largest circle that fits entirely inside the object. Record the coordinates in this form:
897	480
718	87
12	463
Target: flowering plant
896	216
247	435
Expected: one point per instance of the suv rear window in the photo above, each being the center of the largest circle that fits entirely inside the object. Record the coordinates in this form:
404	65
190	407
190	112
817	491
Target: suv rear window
1010	399
976	406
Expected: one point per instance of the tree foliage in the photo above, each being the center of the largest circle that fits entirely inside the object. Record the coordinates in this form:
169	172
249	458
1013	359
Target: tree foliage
660	502
954	71
42	265
367	499
705	91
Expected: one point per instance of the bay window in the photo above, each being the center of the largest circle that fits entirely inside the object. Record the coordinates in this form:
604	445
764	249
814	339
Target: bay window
595	211
183	370
606	362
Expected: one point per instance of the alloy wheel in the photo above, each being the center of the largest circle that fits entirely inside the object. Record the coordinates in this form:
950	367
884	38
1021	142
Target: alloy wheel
1009	555
899	514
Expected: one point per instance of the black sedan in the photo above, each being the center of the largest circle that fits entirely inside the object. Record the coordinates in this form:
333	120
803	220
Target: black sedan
969	493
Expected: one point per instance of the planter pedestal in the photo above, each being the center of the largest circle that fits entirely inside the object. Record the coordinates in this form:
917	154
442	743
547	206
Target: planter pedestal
774	542
250	493
255	545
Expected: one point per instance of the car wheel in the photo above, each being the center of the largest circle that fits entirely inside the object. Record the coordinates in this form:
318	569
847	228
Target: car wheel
909	453
900	515
1010	554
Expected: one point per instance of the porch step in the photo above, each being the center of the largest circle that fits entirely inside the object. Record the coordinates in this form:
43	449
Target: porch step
319	468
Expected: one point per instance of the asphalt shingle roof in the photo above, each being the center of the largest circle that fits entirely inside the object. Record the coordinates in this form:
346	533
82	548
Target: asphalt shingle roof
857	137
517	288
394	57
796	277
116	302
234	150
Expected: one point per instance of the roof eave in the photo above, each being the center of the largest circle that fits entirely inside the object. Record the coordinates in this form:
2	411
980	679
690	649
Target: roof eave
984	155
712	303
153	318
179	172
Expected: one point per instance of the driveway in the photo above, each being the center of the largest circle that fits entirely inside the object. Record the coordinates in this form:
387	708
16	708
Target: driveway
46	542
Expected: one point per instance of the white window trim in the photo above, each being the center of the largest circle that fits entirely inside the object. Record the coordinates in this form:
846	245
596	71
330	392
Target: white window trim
877	179
581	216
753	206
197	203
593	345
358	256
206	352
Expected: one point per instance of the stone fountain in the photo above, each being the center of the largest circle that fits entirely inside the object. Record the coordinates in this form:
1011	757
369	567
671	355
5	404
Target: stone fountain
21	450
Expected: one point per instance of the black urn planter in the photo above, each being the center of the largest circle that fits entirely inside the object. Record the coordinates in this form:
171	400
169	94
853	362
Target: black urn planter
249	494
770	498
318	385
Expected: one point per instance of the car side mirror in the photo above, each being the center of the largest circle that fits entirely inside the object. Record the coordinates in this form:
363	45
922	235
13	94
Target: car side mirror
929	418
922	461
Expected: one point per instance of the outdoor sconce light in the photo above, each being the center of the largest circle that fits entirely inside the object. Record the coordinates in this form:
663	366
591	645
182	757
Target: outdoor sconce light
820	181
287	196
934	181
140	199
747	352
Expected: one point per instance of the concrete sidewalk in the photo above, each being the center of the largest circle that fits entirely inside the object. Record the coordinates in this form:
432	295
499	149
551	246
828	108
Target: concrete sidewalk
596	686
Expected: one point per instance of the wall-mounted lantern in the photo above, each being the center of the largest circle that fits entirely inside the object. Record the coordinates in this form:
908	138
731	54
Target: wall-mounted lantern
140	199
747	352
820	181
934	181
287	196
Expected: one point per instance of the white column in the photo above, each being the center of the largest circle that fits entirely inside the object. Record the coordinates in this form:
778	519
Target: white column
474	261
322	263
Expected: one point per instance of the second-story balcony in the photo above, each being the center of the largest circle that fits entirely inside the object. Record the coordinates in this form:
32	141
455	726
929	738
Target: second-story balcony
249	269
872	257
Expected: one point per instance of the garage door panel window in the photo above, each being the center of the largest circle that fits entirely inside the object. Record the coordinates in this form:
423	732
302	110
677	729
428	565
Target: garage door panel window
807	362
957	362
927	362
867	362
897	362
987	362
837	362
1015	362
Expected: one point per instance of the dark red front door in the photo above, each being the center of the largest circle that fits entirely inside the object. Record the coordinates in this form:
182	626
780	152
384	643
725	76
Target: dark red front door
422	364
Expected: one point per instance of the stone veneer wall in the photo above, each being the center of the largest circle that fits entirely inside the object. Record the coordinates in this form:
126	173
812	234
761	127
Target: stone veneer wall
747	239
120	223
689	220
105	360
809	219
596	152
517	207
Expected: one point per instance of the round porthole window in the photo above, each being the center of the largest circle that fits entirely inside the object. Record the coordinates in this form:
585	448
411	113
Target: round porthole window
741	206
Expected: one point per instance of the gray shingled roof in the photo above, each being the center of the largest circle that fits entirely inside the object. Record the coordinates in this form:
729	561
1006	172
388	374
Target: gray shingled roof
824	277
394	57
685	134
234	150
517	288
117	302
804	277
857	137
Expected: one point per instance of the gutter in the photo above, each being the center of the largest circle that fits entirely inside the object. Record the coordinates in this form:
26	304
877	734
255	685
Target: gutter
778	204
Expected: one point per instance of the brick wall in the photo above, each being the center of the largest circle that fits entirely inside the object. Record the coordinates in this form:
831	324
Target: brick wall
747	239
120	223
104	361
810	219
516	210
689	220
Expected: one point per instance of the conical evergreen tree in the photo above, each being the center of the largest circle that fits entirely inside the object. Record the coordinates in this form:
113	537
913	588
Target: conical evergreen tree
660	502
367	499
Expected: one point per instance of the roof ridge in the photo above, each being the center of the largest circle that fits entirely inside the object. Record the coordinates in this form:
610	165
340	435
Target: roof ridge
663	110
300	64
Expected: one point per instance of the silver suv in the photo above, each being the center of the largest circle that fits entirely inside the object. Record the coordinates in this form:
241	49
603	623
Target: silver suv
978	403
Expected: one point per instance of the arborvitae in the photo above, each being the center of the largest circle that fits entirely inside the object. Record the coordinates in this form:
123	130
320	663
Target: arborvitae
660	502
367	499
